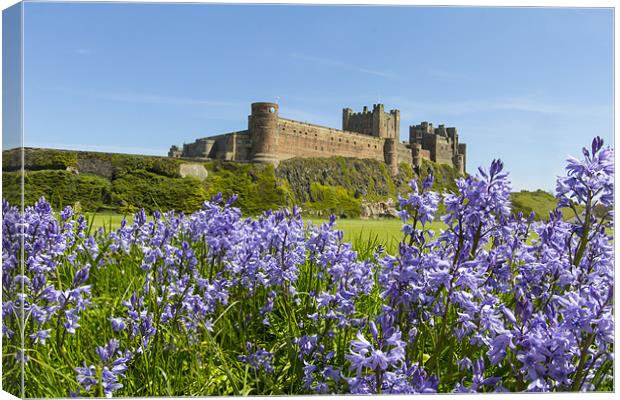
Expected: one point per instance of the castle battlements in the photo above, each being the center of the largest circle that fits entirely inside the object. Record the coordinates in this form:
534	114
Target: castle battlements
373	134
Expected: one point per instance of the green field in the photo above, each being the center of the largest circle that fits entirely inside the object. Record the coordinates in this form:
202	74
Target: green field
361	232
386	232
108	221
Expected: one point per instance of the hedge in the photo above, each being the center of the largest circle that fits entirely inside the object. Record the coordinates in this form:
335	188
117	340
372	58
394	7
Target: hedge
60	188
326	200
256	185
144	189
126	163
38	159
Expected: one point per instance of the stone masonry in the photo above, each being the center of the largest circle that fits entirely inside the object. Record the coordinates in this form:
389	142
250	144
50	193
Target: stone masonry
367	134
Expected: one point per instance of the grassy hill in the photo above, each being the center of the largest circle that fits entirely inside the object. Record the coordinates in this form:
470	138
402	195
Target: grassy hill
539	202
121	183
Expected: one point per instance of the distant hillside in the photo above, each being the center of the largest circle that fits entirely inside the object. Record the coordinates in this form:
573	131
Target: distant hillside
539	202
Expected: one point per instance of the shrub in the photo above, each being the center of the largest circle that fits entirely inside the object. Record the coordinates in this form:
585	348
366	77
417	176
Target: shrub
38	159
256	185
143	189
61	188
326	200
125	163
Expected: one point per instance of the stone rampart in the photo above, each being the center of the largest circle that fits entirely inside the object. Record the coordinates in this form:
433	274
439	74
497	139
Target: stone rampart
404	153
299	139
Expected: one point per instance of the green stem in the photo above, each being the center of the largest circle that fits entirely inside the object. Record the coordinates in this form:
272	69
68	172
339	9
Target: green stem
582	362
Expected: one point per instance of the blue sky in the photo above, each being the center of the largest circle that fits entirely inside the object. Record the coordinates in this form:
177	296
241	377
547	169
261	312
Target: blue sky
527	85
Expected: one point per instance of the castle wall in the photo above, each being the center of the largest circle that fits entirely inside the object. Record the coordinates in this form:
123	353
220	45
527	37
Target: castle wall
229	146
390	154
463	151
443	151
238	147
199	149
359	122
404	153
439	147
298	139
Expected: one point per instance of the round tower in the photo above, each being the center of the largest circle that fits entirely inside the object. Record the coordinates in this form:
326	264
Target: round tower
263	128
390	155
416	154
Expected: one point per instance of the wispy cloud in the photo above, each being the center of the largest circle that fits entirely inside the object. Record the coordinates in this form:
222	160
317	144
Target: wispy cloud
445	74
144	98
101	148
85	51
342	65
525	104
168	100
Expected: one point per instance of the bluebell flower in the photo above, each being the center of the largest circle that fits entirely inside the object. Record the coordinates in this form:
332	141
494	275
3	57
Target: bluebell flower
87	376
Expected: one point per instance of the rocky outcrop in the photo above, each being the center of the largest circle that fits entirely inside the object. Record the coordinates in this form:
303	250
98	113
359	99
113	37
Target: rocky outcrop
97	165
360	177
379	209
193	170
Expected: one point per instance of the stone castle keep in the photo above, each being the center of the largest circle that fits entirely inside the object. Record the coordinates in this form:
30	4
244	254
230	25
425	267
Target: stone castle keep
367	134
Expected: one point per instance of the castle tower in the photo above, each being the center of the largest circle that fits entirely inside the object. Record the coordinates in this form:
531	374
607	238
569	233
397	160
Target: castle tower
378	121
375	123
394	128
391	156
263	129
454	138
346	115
413	135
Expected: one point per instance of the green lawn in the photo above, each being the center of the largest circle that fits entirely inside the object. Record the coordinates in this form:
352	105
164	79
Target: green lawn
382	231
363	233
108	221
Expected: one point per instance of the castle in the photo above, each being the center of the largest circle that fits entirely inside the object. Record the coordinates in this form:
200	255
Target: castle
367	134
